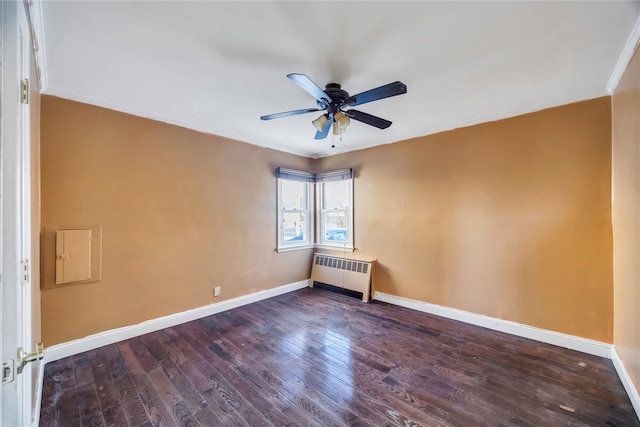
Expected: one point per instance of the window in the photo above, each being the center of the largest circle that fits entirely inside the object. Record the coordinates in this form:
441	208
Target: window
332	218
335	208
295	216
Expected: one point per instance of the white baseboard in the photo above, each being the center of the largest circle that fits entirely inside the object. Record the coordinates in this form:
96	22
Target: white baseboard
60	351
627	382
572	342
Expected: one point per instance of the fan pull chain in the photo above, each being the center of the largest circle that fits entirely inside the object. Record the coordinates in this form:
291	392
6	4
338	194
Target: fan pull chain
333	139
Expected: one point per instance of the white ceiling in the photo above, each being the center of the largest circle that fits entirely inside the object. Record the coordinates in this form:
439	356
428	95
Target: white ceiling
218	66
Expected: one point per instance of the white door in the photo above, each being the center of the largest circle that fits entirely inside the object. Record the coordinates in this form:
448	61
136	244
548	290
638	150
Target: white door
15	220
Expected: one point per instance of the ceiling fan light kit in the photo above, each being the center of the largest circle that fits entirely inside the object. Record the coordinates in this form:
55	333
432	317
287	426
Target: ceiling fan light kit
320	122
338	130
334	101
341	120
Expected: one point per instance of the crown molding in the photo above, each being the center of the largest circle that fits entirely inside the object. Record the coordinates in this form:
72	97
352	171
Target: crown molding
625	58
34	12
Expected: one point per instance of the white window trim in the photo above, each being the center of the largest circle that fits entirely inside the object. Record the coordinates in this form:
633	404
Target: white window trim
315	217
310	219
335	248
320	242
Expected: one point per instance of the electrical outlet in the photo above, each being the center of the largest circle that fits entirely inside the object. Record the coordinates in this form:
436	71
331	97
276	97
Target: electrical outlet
216	291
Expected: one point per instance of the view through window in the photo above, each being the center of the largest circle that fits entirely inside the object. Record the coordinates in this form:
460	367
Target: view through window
335	211
295	211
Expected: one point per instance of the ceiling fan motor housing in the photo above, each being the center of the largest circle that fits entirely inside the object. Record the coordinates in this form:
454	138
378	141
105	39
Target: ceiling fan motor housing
338	96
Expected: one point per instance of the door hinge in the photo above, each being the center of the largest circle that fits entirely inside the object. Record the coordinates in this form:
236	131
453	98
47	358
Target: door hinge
7	371
24	358
25	273
24	91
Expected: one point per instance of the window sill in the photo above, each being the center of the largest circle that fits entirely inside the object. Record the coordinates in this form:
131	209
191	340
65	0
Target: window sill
294	248
335	248
327	247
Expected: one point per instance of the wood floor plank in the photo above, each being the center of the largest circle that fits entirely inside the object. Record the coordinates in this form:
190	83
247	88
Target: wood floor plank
253	406
61	372
153	403
82	370
206	379
316	358
337	366
255	373
48	416
411	399
190	396
272	361
137	356
106	391
167	392
334	393
340	392
116	419
207	417
114	363
131	402
89	406
241	380
67	409
184	416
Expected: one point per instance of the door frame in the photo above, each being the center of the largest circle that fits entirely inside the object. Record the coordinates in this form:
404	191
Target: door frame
16	398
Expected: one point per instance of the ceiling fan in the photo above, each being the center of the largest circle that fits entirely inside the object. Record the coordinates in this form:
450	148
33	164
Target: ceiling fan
333	100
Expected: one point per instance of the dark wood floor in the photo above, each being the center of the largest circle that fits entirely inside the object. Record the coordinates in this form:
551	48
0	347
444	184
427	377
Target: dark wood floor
315	358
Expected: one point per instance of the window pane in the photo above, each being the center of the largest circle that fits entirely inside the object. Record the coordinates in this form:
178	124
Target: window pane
336	195
335	226
293	195
294	227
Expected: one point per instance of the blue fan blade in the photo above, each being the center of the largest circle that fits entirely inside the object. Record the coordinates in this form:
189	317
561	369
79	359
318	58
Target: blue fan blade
368	119
392	89
325	130
288	113
310	87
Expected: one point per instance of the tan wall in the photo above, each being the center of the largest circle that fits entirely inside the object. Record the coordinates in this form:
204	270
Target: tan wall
626	218
510	219
182	212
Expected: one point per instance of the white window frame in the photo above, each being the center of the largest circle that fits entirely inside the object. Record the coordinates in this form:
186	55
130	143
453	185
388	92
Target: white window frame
313	209
320	223
310	218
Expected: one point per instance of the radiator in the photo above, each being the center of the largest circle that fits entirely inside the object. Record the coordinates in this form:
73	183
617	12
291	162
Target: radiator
351	274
